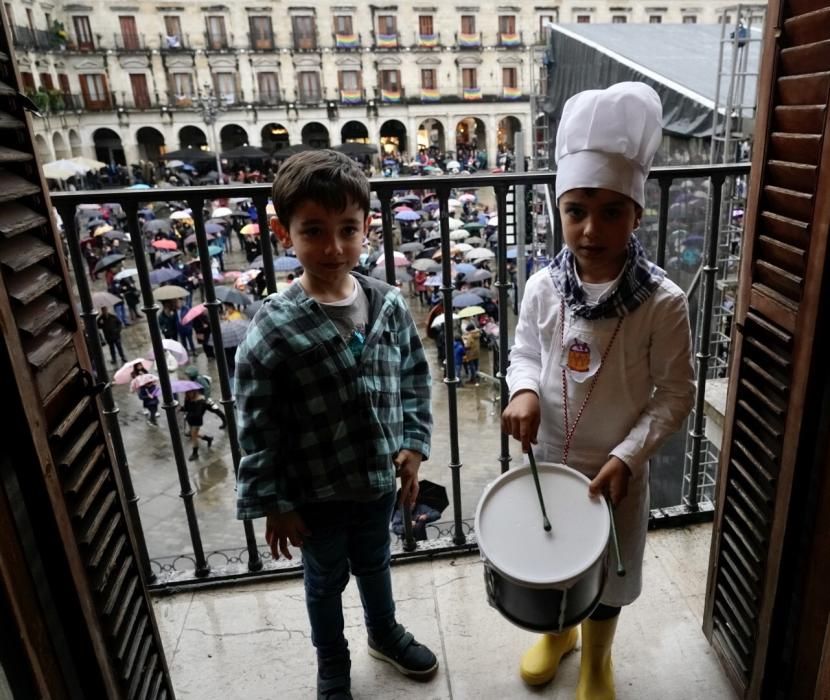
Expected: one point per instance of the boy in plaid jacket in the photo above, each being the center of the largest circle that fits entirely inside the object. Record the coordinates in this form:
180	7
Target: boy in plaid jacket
333	396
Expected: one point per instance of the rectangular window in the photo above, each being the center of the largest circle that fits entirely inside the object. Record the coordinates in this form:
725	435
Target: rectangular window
508	78
83	33
141	95
655	19
28	81
425	26
305	33
469	78
390	80
690	19
619	19
225	87
507	24
129	33
173	26
46	81
94	91
583	19
387	24
343	25
63	81
428	81
349	80
217	37
468	24
262	32
309	84
269	87
183	91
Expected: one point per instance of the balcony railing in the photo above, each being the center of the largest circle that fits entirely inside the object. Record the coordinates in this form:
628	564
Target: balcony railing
175	42
218	42
129	42
386	42
128	100
257	42
309	98
511	40
455	534
25	38
269	98
427	41
307	42
468	41
182	100
347	42
351	97
390	96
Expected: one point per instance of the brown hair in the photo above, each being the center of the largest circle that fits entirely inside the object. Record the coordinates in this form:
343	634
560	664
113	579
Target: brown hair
326	177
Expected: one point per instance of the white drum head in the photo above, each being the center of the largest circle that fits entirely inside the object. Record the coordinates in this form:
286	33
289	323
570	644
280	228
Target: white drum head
511	536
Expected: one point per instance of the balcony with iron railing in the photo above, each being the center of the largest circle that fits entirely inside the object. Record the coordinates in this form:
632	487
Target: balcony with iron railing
468	41
218	42
305	43
510	40
174	43
127	43
386	42
262	42
347	42
37	39
268	98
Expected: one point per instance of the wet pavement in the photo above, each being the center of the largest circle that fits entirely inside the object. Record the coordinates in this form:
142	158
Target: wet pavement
156	481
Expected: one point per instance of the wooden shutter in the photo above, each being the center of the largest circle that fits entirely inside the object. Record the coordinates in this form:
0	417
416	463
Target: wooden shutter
57	447
129	32
141	95
768	491
425	25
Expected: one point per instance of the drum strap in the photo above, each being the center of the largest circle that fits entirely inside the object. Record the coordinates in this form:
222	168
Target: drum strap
570	430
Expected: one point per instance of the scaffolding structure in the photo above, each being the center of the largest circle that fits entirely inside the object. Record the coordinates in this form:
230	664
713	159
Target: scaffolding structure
731	142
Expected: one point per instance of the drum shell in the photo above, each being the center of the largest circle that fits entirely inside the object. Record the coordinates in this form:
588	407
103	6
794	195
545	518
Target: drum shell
550	610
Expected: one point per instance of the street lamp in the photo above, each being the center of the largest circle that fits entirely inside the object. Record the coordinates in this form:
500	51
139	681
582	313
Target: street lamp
209	108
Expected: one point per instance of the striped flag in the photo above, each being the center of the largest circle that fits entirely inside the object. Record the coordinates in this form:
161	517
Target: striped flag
430	95
511	93
510	40
387	41
472	93
390	95
469	40
351	97
346	41
427	40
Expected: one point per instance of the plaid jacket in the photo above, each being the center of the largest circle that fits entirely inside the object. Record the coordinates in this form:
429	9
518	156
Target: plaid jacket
314	423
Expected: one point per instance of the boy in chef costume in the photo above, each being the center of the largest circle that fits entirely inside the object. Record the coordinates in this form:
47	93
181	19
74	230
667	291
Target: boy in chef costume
601	371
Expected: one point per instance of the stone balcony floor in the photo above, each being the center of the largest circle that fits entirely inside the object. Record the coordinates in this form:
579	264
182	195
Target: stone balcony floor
252	641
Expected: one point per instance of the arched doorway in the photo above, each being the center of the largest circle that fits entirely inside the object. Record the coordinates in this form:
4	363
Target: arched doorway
431	136
108	147
354	132
42	148
232	136
150	143
315	135
506	135
75	143
59	146
192	137
393	137
470	133
274	137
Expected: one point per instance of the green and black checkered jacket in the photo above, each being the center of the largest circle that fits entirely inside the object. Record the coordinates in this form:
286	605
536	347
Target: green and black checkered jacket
314	423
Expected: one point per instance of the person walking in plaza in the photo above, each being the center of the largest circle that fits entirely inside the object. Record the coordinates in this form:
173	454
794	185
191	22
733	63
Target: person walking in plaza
149	394
194	408
333	401
185	330
110	326
472	344
601	372
192	373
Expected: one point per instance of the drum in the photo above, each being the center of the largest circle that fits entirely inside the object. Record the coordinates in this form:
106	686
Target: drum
543	581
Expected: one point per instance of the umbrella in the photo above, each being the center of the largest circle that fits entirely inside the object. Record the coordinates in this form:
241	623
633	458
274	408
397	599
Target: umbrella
249	229
475	240
192	237
180	386
197	310
61	170
231	296
432	237
215	250
116	236
407	215
291	150
286	264
124	375
432	495
478	276
164	244
165	274
139	186
472	225
465	268
213	229
452	164
102	229
157	225
87	163
141	380
108	261
439	320
176	349
426	265
467	197
127	272
219	212
413	247
433	281
455	223
400	260
233	332
100	299
480	254
452	203
175	163
253	307
170	291
469	311
401	275
244	152
461	248
231	275
192	155
222	224
493	221
465	299
356	149
179	215
484	292
169	255
459	235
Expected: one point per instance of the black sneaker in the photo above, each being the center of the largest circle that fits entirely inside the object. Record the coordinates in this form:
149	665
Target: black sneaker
334	694
400	649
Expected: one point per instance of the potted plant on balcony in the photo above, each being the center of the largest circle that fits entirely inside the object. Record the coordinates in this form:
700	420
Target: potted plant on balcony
41	99
56	102
58	35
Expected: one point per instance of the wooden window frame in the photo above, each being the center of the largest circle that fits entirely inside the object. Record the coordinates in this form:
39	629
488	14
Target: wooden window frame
141	97
468	24
305	95
306	38
432	82
84	38
261	28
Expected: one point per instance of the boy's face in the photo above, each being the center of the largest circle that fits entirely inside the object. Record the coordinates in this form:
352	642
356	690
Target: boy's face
327	243
596	224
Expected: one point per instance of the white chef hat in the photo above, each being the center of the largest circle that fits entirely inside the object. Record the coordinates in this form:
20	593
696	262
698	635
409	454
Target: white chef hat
608	138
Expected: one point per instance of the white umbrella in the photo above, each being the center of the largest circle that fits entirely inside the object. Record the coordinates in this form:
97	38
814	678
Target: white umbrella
220	212
450	164
88	163
459	235
181	214
455	223
439	320
127	272
467	197
400	260
175	163
453	203
471	311
480	254
61	170
462	247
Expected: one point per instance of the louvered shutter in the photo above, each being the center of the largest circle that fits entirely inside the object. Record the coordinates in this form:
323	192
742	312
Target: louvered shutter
782	275
72	466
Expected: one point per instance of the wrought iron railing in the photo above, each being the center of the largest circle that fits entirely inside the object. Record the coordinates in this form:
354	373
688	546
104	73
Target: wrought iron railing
452	535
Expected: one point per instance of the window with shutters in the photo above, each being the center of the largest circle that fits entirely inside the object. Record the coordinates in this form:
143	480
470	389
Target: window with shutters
509	77
173	30
129	33
425	25
387	24
309	86
141	95
343	25
468	24
27	80
63	82
217	36
507	24
349	80
390	80
46	81
305	32
428	81
225	87
262	32
469	78
182	86
583	19
94	91
268	87
83	33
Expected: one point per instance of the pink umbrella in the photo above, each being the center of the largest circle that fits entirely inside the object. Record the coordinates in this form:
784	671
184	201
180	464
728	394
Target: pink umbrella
197	310
164	244
124	375
141	380
231	274
400	260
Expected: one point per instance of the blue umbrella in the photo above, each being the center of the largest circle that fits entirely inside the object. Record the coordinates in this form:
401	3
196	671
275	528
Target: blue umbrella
512	253
214	228
286	264
139	186
215	250
165	274
465	299
465	268
407	215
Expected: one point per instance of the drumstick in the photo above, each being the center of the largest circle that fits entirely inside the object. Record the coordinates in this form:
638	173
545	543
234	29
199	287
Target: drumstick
614	540
545	521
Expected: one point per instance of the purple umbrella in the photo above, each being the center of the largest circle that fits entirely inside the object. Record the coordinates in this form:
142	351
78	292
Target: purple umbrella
165	274
465	299
286	264
408	215
179	386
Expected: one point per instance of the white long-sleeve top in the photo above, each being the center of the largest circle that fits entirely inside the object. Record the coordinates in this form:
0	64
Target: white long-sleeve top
644	392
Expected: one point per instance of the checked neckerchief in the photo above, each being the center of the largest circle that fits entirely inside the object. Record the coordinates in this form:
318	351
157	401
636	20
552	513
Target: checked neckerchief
640	278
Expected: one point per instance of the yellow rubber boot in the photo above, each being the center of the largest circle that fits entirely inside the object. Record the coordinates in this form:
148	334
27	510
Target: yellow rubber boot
541	662
596	672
